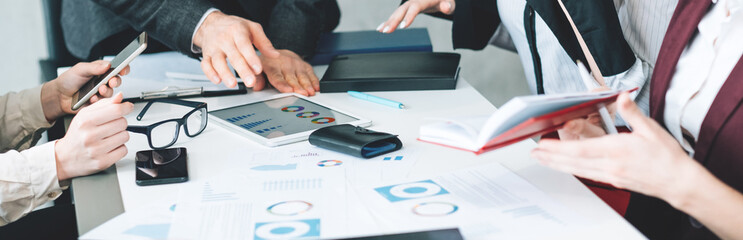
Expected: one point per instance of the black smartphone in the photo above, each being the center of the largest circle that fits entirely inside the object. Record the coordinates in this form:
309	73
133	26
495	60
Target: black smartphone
119	62
161	166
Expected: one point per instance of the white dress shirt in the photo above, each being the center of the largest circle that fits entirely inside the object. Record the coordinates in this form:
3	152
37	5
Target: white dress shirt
28	178
643	24
703	68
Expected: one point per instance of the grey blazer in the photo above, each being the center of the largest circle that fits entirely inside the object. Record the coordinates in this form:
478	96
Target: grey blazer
93	28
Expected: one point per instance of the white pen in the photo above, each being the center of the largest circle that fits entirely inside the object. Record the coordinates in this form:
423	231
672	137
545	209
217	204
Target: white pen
190	76
603	112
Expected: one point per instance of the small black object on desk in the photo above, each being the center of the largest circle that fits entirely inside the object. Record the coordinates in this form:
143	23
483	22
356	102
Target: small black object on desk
356	141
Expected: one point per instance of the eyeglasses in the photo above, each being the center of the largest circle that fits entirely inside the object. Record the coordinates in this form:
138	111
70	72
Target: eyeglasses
164	134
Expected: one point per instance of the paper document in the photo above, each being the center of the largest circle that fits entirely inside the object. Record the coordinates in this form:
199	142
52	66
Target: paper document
388	167
280	206
487	202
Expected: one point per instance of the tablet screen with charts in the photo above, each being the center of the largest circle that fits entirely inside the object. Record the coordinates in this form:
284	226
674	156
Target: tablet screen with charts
282	119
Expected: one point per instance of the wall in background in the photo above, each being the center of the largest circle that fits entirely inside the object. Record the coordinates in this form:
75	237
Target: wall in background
23	44
496	73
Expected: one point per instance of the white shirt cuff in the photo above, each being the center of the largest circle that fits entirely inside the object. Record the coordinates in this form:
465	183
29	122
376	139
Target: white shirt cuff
194	48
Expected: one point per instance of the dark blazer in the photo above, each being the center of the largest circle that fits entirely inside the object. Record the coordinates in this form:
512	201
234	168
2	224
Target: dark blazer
93	28
718	147
475	21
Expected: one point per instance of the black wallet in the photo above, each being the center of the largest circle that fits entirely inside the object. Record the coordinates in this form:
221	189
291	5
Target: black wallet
356	141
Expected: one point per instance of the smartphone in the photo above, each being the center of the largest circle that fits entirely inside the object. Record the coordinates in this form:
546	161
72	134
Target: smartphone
119	62
161	166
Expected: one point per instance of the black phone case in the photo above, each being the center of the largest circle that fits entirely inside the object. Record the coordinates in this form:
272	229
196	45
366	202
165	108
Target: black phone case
148	182
356	141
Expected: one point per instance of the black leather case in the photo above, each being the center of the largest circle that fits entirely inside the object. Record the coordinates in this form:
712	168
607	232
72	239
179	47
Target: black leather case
396	71
356	141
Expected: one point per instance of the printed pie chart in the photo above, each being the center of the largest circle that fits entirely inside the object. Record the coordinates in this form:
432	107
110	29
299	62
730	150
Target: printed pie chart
289	208
329	163
282	230
415	190
434	209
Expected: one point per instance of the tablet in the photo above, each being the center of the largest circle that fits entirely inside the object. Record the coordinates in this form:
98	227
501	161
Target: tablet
282	119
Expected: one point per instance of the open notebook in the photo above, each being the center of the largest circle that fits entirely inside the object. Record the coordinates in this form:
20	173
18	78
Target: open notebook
518	119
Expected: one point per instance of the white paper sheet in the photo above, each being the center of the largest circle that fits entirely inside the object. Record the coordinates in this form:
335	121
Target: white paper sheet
389	167
486	202
282	205
217	208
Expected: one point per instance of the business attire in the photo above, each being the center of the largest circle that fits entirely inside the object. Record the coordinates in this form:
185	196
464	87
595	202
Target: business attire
28	175
93	28
696	94
624	37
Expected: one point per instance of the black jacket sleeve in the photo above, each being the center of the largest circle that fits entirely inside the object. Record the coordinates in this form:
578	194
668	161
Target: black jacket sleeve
297	24
171	22
89	26
474	23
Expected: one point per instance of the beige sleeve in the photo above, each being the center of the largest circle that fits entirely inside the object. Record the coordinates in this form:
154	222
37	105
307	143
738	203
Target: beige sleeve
27	179
22	119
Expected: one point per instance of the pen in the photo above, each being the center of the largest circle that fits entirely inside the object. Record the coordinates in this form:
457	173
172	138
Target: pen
376	99
603	112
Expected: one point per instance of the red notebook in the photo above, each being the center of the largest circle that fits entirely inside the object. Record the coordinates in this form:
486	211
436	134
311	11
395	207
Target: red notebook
518	119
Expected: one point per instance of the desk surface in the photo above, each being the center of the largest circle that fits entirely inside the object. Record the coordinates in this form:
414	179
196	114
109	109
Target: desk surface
103	196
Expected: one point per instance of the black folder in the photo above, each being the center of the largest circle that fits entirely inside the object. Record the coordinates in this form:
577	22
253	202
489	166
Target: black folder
395	71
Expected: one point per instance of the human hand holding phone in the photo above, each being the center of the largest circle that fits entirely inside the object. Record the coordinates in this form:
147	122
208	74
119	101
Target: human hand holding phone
57	95
118	64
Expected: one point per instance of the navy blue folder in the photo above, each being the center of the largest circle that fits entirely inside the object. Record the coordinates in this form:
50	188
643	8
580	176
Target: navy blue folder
342	43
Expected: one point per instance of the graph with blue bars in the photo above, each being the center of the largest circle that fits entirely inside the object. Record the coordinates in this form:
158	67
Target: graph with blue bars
239	118
397	158
265	130
251	125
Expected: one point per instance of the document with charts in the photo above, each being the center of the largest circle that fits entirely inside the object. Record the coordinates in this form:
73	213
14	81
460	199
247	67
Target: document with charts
487	202
388	167
280	206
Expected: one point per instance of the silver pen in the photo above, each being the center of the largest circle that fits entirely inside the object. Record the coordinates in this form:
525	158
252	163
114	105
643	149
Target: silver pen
603	112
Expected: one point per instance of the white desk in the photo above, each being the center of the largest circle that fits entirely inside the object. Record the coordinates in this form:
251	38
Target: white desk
208	156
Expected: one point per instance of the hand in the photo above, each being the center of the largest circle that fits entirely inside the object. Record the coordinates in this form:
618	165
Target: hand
56	95
223	37
588	127
648	160
95	139
405	14
288	73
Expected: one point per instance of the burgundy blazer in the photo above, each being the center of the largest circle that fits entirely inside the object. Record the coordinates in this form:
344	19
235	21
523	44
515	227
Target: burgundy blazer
718	147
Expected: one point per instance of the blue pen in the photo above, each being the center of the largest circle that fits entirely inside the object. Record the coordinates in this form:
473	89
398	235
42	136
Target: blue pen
376	99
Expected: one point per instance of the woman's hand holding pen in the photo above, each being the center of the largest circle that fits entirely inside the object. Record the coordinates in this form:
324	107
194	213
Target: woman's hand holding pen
588	127
648	160
406	13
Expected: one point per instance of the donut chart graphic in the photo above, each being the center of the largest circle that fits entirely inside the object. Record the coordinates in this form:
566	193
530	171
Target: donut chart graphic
289	208
434	209
309	228
292	109
329	163
323	120
406	191
307	114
